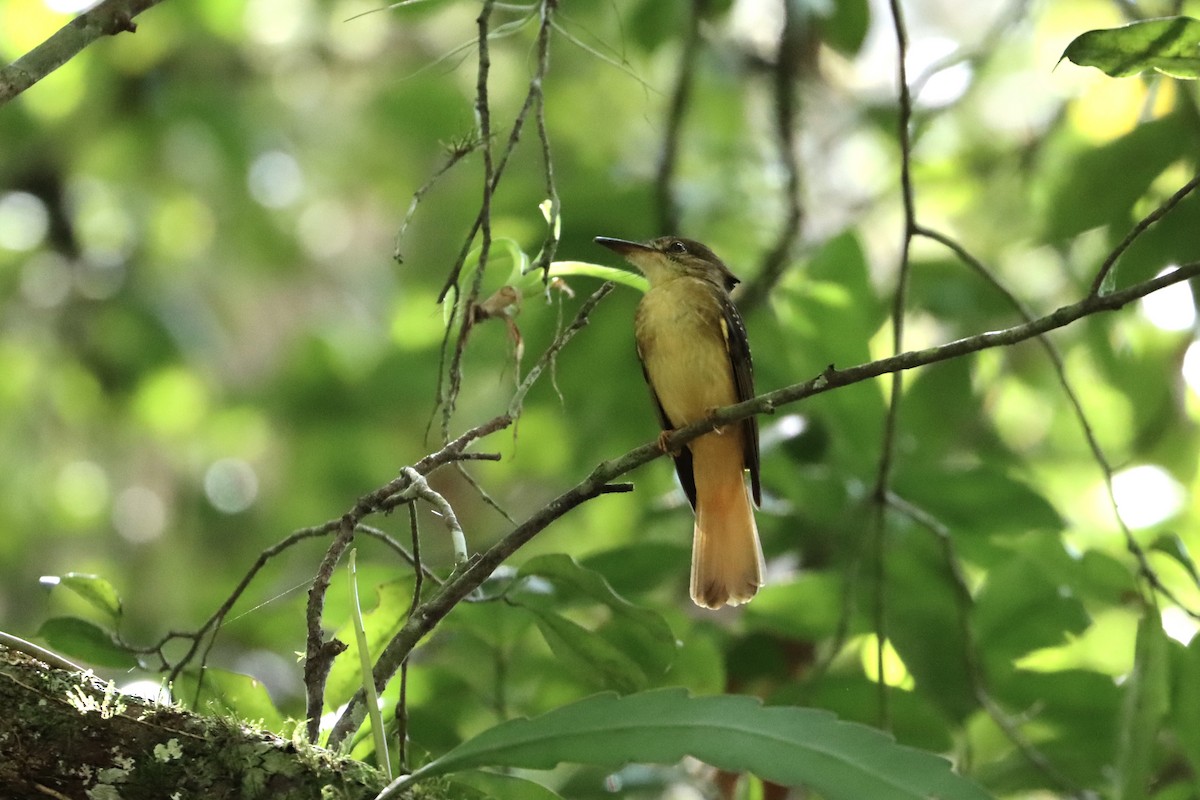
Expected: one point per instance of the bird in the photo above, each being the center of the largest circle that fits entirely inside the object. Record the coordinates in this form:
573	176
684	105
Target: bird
695	356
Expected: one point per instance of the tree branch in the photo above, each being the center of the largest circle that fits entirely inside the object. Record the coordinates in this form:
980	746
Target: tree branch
107	19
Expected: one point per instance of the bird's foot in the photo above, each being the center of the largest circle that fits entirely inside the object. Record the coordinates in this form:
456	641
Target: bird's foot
662	443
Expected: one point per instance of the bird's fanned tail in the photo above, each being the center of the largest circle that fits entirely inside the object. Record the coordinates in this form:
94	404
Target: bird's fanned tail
727	562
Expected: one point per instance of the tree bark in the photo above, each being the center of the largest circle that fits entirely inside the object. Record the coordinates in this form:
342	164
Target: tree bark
64	734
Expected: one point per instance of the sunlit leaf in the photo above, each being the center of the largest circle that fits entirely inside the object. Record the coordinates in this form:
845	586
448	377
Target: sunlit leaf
85	641
1170	45
1020	609
1112	177
1173	546
222	692
97	591
1147	701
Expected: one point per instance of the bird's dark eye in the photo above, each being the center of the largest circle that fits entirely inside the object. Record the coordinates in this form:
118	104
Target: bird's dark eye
677	247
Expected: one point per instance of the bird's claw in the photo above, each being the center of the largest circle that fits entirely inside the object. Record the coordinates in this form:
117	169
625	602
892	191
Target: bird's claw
663	445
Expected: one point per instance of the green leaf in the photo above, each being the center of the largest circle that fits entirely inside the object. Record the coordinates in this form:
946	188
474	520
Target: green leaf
1101	185
588	654
1172	545
380	624
782	744
86	641
499	787
1185	699
97	591
977	501
638	567
222	692
844	26
1020	609
1147	700
1170	45
806	608
640	633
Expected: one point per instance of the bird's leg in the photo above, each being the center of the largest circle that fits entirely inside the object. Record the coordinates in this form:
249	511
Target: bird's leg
662	442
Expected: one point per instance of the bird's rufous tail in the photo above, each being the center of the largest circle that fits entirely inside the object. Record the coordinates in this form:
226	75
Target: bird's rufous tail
727	562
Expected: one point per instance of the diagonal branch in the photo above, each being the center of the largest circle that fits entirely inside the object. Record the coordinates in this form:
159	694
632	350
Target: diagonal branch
107	19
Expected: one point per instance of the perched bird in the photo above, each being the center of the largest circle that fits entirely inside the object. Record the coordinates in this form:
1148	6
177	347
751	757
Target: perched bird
696	358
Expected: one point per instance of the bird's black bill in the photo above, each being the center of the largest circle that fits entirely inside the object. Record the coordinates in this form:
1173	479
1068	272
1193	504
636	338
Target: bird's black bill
622	246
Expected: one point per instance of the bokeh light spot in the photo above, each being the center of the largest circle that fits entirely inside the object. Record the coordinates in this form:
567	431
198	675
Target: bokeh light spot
23	221
231	485
275	179
1146	495
139	515
81	491
1170	308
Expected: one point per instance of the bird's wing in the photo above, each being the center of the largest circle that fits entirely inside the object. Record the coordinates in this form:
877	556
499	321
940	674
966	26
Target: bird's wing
683	459
738	345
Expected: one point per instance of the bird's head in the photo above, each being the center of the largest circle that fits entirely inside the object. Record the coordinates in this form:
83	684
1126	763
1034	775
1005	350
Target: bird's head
670	257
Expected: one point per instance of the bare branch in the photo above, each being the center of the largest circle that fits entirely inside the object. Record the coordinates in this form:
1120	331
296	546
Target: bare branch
789	58
668	211
1137	230
107	19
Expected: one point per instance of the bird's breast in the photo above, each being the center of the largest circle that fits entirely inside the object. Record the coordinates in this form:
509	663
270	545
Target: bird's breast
682	342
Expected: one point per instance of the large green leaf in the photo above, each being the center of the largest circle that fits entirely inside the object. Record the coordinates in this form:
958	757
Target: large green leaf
97	591
492	786
588	654
808	607
1112	177
1185	699
977	500
1170	45
786	745
1147	700
224	693
1021	609
85	641
641	636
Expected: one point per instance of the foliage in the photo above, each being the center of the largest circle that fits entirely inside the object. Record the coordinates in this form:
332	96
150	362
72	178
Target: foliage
208	355
790	746
1170	46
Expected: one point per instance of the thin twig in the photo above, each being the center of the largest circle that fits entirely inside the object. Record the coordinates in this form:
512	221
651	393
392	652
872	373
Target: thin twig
483	115
456	152
1141	227
789	58
550	243
402	703
899	303
419	487
664	194
494	170
579	323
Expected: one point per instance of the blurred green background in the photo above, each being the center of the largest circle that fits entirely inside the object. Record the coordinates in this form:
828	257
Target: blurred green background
205	344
